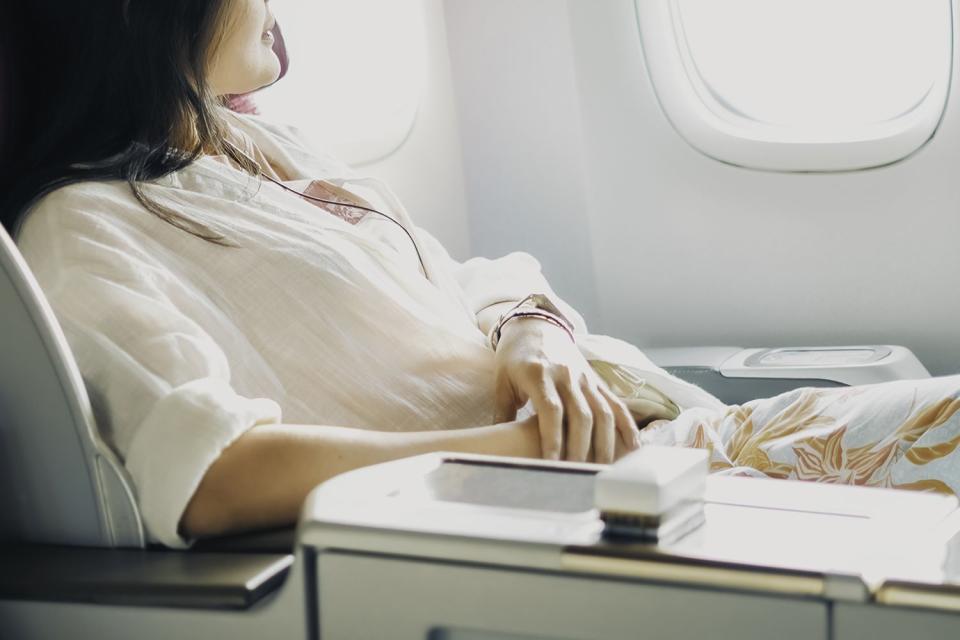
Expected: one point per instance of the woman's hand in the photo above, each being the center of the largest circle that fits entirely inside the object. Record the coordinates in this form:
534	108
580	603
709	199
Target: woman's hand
536	361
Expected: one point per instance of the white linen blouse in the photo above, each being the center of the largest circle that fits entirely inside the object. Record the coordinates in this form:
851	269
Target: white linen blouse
184	345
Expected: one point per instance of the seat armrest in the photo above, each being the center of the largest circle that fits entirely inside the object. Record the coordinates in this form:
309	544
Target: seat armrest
151	578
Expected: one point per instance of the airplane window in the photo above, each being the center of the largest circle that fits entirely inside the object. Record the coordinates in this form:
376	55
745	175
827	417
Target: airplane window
800	85
357	74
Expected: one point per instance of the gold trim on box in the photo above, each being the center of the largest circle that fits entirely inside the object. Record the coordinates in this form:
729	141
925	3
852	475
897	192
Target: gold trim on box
700	575
904	596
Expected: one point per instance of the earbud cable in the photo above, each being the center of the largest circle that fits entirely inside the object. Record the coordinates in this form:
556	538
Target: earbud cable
333	202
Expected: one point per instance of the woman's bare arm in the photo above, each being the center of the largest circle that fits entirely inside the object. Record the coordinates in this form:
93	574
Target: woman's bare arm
262	479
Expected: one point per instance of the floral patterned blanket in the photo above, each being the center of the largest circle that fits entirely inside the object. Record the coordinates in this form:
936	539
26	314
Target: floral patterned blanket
903	434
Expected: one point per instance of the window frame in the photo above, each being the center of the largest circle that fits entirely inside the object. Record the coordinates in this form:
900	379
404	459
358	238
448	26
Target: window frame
703	121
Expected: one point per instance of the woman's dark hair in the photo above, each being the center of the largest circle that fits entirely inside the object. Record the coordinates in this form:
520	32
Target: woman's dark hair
107	90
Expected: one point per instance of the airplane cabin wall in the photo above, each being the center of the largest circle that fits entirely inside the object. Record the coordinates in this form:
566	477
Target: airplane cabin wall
426	171
567	154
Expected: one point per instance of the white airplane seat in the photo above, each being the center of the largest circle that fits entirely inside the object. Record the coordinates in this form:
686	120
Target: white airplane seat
59	482
71	530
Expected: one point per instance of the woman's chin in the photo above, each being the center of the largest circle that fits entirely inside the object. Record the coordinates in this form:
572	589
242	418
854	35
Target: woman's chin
272	69
258	73
268	75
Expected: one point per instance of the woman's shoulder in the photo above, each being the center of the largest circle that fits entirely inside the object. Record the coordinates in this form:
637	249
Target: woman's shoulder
94	235
77	204
90	219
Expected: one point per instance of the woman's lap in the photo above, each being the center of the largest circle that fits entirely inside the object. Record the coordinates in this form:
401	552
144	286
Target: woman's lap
902	434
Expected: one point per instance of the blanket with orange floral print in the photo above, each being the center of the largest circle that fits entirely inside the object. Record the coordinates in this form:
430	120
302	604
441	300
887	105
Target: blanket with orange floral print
903	434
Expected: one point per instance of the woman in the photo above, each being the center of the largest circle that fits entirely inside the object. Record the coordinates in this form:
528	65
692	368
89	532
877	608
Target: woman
200	294
251	317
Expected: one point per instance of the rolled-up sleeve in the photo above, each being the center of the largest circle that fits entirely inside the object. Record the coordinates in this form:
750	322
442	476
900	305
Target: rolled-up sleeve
182	435
159	383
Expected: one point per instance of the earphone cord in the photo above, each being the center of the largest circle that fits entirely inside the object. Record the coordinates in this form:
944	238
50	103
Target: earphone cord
333	202
353	206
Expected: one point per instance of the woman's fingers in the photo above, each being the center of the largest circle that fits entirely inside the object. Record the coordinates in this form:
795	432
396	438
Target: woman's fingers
593	415
604	423
580	418
549	409
626	426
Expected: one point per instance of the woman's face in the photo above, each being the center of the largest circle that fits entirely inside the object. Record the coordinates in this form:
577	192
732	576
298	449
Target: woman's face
243	58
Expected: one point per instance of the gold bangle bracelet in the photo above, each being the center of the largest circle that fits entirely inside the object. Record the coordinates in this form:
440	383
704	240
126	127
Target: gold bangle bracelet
534	313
